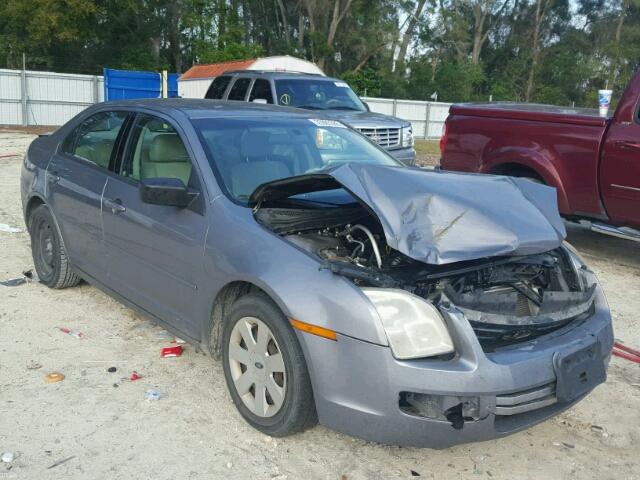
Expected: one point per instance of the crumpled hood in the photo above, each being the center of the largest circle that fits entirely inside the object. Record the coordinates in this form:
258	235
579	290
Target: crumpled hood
439	217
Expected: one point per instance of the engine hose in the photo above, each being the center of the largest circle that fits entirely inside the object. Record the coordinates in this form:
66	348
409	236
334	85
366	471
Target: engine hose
374	244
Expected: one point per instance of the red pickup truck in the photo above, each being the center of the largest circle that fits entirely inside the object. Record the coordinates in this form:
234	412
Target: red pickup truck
592	161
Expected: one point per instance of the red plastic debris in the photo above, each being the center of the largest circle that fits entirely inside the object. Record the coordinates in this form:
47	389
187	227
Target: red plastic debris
135	376
73	333
171	351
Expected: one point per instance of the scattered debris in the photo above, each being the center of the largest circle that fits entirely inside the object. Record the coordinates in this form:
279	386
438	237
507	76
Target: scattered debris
54	377
135	376
600	430
33	365
164	335
229	464
414	473
179	341
568	445
74	333
27	276
9	229
628	353
60	462
112	369
152	394
7	457
171	351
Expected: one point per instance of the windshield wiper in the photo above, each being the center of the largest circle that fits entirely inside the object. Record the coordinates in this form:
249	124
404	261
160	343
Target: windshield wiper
345	107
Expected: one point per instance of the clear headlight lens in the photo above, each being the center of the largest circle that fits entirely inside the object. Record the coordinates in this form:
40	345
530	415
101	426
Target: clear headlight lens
414	327
407	137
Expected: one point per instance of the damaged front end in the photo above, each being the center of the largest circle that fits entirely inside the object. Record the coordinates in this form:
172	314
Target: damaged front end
527	286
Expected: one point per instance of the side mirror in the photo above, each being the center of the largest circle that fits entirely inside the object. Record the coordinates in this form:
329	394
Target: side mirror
366	105
166	191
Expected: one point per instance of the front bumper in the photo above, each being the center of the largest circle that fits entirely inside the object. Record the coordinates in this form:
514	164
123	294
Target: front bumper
357	385
404	155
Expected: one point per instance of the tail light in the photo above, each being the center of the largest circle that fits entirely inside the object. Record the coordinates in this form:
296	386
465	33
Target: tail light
444	138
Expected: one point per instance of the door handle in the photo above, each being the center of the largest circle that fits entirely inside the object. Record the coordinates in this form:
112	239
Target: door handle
627	144
115	206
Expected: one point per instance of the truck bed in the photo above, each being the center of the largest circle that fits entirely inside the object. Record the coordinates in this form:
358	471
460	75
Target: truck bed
532	112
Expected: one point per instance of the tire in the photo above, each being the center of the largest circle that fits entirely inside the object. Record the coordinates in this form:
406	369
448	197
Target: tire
48	251
288	406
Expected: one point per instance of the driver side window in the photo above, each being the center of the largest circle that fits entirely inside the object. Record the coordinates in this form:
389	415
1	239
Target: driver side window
156	151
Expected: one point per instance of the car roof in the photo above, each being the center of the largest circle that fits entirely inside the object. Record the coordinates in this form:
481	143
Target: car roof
275	74
205	108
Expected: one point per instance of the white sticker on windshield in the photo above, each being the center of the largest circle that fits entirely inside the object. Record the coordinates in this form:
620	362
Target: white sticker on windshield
321	122
341	84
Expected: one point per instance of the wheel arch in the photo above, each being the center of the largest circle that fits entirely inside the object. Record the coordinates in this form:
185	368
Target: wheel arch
222	303
34	202
538	168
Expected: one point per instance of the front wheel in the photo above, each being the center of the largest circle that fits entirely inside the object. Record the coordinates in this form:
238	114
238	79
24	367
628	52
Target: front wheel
265	369
48	250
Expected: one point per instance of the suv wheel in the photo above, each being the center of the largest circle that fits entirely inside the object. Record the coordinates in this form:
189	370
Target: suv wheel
265	369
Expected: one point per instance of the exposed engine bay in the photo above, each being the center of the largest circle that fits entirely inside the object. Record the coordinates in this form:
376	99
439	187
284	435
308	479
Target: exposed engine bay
507	299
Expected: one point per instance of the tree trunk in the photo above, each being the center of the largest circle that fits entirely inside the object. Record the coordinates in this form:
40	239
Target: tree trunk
285	22
479	15
613	72
408	34
336	18
535	53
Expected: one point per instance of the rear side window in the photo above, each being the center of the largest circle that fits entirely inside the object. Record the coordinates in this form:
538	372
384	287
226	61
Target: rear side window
261	91
217	88
239	89
94	139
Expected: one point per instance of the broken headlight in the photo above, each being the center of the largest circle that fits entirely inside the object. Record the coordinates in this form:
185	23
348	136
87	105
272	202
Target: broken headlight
414	327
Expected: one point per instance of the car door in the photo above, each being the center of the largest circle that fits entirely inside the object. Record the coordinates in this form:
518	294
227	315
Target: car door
155	251
76	176
620	172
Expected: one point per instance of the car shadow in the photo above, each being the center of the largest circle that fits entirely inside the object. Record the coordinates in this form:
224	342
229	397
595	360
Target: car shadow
606	247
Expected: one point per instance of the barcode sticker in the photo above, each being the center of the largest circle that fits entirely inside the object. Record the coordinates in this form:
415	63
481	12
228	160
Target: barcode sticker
321	122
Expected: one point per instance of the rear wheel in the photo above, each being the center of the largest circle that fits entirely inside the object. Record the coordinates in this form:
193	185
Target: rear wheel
49	254
265	369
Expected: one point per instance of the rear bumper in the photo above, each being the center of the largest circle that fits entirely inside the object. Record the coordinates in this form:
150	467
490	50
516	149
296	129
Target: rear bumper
358	385
404	155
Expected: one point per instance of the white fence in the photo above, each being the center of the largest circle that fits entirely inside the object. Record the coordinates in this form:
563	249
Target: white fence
45	98
48	98
427	118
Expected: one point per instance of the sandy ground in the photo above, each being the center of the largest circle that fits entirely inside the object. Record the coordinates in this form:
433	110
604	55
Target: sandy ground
103	425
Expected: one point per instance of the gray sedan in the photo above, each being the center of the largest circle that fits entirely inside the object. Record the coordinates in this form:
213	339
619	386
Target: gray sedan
394	304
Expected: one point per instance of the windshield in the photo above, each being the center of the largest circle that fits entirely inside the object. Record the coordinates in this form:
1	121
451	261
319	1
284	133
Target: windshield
247	152
317	94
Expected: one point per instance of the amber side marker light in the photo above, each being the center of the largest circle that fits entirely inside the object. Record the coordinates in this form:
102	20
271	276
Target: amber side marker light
313	329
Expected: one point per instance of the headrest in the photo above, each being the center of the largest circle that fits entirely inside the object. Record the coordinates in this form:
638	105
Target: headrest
167	147
254	143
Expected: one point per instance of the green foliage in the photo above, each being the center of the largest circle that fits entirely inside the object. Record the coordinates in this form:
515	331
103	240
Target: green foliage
580	45
365	82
